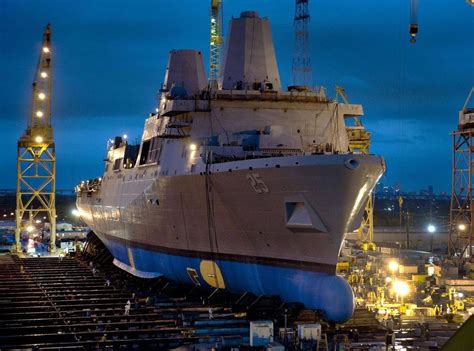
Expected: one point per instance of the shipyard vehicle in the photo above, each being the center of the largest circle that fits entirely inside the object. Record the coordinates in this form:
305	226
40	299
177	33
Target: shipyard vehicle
242	185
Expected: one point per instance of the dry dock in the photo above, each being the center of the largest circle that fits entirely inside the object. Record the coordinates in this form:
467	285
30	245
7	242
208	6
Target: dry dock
48	303
80	303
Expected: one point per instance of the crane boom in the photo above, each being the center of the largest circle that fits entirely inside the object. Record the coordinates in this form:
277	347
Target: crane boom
216	41
42	83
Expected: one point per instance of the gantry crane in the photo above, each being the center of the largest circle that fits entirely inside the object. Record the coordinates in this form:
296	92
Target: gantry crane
36	158
359	142
461	229
216	41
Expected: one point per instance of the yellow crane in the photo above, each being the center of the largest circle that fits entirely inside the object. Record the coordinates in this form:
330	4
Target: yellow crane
36	157
359	142
216	41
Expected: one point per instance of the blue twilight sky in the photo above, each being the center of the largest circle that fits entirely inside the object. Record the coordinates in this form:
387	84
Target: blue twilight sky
110	57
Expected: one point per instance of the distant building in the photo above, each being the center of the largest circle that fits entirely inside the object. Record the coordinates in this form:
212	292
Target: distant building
430	190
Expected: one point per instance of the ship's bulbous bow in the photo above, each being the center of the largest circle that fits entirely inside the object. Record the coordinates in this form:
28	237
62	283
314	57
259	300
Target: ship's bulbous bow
328	293
336	296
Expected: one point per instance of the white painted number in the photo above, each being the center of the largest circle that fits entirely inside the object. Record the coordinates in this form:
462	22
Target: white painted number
257	183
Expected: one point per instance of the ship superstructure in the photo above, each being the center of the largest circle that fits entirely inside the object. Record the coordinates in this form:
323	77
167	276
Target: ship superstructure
248	188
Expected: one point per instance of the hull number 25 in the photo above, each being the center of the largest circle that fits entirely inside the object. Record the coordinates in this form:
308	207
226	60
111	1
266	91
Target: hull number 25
257	183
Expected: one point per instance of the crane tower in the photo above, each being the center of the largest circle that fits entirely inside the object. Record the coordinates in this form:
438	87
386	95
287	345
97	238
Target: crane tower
302	70
36	158
461	231
216	41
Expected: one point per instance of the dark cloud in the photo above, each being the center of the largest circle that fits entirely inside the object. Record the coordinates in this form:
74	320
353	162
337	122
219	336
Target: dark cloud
110	58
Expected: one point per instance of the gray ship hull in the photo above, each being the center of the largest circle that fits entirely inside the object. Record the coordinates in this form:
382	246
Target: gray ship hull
172	212
288	213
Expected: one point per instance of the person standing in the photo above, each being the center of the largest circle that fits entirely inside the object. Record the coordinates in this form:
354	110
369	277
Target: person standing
127	308
211	315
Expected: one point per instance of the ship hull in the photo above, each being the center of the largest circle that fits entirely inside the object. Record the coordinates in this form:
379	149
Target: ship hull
316	290
268	226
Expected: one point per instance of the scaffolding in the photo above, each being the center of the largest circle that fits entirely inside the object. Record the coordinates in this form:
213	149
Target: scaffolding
36	158
359	142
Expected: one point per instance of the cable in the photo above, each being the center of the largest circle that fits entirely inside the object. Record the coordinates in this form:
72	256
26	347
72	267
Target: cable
211	223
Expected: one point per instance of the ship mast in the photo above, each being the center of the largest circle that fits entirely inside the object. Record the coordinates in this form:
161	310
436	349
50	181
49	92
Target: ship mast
36	159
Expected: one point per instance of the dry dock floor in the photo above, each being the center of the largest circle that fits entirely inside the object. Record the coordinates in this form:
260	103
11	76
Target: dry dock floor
79	303
52	303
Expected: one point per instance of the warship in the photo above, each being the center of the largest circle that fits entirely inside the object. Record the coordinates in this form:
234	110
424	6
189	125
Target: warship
242	185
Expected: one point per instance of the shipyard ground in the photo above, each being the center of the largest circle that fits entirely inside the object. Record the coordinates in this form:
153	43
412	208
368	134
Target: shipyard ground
80	303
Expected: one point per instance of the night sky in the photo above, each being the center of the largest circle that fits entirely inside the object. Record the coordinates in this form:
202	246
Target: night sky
110	57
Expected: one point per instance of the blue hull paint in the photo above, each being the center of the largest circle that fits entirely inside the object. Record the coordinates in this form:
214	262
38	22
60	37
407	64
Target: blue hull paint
329	293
